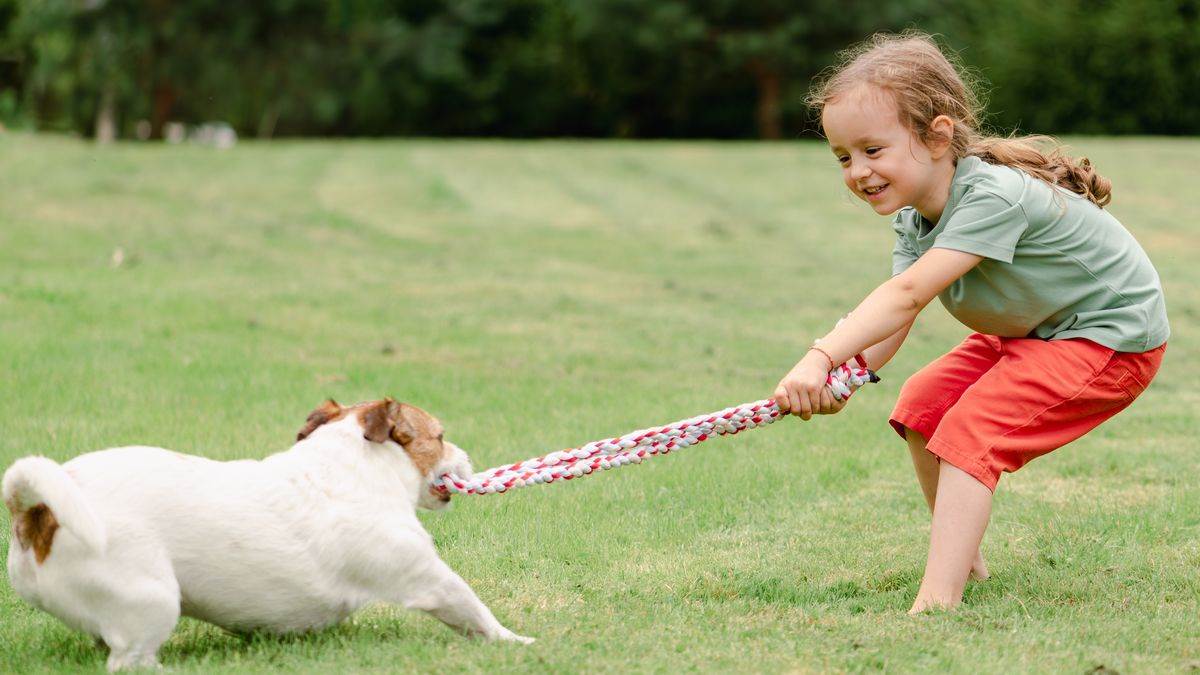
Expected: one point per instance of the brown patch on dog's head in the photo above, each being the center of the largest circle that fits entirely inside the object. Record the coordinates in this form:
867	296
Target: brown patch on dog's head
329	411
34	528
418	432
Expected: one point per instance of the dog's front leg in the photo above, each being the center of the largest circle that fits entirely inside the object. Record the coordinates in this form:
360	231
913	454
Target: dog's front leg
447	597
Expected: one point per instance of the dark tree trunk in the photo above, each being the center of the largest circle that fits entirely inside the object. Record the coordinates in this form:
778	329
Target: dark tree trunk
164	100
767	111
267	121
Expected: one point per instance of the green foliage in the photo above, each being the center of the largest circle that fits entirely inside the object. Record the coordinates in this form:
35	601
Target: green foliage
720	68
1124	66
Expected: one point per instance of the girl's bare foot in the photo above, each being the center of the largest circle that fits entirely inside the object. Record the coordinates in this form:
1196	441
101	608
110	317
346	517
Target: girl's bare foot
979	570
926	604
923	603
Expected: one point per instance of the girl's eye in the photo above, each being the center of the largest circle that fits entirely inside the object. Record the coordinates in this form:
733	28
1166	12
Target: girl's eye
843	159
873	150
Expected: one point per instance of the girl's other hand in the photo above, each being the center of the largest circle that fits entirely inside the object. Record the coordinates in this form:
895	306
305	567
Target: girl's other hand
829	404
803	393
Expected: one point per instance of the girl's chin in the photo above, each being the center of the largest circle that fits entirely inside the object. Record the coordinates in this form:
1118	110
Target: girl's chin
884	208
884	205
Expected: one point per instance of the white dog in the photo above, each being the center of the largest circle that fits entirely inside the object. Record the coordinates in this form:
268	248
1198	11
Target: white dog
119	543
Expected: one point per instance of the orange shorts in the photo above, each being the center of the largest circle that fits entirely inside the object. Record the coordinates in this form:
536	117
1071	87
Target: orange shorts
992	404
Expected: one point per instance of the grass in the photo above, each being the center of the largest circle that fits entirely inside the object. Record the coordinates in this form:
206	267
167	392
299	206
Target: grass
538	295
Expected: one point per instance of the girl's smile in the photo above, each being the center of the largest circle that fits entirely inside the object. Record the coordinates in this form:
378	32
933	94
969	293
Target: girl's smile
875	192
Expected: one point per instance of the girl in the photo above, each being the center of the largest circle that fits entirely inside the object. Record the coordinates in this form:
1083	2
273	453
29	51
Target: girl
1068	310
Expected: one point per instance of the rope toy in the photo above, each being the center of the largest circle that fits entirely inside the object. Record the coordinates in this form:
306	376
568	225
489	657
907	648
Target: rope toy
636	446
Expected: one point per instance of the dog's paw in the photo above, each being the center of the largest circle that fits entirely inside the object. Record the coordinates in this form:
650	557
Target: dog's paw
509	636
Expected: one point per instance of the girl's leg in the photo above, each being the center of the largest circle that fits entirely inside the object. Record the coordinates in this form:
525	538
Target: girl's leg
926	464
962	508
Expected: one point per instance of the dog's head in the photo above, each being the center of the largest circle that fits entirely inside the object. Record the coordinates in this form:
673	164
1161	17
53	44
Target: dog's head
419	434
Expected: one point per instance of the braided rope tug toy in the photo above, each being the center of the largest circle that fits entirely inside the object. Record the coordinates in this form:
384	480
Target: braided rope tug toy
636	446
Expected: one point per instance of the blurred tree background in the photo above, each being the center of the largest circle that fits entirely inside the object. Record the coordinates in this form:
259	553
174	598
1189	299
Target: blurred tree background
623	68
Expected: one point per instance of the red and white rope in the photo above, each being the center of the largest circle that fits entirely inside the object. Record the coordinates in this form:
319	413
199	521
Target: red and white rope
643	444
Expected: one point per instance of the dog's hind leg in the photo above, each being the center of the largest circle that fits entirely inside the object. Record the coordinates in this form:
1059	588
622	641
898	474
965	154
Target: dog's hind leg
134	639
143	613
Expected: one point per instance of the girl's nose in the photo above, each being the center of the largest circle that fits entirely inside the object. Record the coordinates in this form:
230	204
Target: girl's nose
860	171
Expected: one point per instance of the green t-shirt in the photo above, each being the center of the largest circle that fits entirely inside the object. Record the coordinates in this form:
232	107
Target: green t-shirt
1055	265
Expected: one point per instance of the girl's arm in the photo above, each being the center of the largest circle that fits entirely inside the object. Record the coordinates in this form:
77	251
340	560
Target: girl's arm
889	308
878	354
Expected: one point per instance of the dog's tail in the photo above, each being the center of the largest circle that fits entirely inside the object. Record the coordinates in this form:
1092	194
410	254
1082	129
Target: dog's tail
34	482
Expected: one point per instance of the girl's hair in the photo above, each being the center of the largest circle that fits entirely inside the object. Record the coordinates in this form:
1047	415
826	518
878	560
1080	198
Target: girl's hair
925	83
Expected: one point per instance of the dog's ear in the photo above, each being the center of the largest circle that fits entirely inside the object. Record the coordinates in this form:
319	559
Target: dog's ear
378	420
420	435
328	410
406	424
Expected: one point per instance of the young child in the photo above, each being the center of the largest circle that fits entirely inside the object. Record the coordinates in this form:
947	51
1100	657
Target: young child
1068	312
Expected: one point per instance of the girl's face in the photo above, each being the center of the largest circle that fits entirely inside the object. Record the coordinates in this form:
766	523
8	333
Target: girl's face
883	163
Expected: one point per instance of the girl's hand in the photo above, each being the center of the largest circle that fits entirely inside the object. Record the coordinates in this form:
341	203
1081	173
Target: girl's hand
803	393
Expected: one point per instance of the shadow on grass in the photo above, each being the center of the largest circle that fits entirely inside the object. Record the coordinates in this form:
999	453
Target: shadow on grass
197	643
51	646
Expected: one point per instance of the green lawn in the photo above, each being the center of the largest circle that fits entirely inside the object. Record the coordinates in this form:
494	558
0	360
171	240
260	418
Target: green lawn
539	295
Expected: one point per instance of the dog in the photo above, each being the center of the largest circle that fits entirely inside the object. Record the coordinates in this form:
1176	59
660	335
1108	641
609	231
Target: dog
119	543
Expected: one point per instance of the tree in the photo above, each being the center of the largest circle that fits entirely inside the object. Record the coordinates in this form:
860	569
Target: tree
672	68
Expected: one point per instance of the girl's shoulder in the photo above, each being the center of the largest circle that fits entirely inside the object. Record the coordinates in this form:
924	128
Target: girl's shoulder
1038	200
1010	184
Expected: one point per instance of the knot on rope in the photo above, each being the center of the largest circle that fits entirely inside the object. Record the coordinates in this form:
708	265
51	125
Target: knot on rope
636	446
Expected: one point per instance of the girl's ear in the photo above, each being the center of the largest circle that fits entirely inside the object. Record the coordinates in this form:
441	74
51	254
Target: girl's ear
941	133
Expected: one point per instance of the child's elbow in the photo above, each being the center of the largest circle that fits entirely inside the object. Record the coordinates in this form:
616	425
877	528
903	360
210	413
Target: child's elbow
909	295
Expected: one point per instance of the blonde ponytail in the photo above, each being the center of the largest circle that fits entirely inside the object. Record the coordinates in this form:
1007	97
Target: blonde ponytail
1042	157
